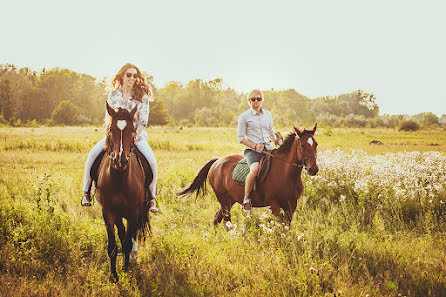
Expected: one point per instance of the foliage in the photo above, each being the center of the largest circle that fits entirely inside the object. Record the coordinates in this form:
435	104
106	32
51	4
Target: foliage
368	224
410	125
26	95
65	113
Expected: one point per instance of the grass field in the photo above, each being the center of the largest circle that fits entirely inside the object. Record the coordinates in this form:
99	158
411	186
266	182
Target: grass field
371	223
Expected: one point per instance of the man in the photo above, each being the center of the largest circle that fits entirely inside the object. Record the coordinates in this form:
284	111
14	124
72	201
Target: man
255	131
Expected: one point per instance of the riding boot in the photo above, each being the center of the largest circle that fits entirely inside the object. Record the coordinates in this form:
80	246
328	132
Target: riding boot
153	207
246	205
86	200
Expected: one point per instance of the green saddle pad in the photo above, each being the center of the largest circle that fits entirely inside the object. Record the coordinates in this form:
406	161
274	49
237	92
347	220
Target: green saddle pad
241	170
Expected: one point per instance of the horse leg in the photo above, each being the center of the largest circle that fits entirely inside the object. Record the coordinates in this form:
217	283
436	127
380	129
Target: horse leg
226	213
289	211
128	243
112	247
218	216
121	230
275	208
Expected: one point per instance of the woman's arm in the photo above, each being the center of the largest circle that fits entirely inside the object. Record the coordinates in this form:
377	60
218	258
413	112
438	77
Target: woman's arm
143	115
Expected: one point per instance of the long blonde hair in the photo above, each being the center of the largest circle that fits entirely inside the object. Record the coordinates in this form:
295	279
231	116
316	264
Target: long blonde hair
140	87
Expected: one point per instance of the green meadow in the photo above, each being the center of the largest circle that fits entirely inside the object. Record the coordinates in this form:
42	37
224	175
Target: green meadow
371	223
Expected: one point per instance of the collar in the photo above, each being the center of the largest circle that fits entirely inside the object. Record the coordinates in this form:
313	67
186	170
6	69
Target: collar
253	112
122	94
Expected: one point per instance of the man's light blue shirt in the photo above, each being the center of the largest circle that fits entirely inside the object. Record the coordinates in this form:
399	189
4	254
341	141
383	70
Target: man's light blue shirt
256	127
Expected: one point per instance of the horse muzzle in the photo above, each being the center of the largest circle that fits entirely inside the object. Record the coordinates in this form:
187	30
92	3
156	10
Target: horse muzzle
120	165
312	170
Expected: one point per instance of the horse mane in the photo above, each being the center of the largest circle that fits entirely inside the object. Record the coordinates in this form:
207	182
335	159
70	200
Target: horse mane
288	142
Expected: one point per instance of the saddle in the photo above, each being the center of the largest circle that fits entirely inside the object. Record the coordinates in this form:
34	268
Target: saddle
94	174
241	170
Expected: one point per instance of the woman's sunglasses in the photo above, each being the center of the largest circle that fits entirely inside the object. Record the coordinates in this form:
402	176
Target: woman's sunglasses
129	75
256	98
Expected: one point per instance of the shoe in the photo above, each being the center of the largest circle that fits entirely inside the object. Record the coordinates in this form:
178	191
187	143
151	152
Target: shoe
246	206
153	208
86	200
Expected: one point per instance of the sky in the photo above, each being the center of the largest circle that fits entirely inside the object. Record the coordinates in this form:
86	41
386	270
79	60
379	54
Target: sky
393	49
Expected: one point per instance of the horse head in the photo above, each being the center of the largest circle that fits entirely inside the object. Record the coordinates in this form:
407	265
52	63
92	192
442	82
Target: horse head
306	149
120	137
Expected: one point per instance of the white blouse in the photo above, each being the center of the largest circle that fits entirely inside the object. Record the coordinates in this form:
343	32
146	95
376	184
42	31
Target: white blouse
116	100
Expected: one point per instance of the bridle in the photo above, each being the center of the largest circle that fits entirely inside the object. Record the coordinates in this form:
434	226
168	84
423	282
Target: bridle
298	164
111	154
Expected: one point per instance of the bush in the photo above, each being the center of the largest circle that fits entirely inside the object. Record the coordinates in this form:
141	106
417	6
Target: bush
66	113
409	126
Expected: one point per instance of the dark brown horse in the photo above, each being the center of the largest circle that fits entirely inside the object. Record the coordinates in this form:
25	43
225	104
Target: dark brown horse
121	186
280	190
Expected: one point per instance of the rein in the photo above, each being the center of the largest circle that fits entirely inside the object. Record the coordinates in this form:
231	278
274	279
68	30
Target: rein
283	160
299	164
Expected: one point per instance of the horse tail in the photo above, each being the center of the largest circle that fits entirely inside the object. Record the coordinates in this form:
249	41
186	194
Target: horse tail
199	183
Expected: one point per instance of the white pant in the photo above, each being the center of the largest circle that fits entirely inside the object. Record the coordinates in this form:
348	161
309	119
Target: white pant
142	146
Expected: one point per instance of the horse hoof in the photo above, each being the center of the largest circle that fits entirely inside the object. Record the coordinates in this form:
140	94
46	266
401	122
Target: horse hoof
133	257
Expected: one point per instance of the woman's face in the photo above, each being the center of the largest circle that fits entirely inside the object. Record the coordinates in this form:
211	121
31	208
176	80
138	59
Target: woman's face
129	77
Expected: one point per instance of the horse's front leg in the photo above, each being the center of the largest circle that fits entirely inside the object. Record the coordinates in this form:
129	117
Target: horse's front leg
275	208
112	247
121	231
128	243
289	211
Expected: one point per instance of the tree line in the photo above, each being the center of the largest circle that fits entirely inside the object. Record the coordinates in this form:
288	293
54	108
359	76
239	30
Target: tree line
65	97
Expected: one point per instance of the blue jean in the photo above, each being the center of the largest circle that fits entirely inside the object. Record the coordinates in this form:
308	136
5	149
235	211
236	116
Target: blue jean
142	146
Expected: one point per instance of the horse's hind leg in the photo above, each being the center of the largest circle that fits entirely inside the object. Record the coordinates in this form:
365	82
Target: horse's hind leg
218	216
112	247
225	209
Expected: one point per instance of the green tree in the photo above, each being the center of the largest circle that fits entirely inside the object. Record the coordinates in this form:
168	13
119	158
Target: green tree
430	119
158	113
66	113
15	87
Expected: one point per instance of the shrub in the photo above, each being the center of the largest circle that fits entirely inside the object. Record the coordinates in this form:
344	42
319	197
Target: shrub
66	113
409	126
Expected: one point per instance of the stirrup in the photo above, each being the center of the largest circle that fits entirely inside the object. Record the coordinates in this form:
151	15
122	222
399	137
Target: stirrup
246	205
153	208
86	200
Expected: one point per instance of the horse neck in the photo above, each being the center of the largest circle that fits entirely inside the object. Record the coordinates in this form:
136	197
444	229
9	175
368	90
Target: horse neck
291	157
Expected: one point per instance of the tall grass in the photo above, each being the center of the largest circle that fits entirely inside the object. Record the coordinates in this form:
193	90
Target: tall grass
372	222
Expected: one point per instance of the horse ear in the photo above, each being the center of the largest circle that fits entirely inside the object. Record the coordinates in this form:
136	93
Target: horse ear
314	129
298	132
133	111
111	111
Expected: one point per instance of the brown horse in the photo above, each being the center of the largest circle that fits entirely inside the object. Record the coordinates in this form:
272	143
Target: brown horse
280	190
121	186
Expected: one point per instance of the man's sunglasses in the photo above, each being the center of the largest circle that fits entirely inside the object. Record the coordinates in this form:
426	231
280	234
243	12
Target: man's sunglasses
256	98
129	75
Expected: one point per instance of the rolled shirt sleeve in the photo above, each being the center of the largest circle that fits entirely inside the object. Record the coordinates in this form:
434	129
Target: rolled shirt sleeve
109	102
143	111
241	128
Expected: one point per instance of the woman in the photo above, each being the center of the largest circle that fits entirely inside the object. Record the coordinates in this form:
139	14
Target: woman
129	90
256	131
